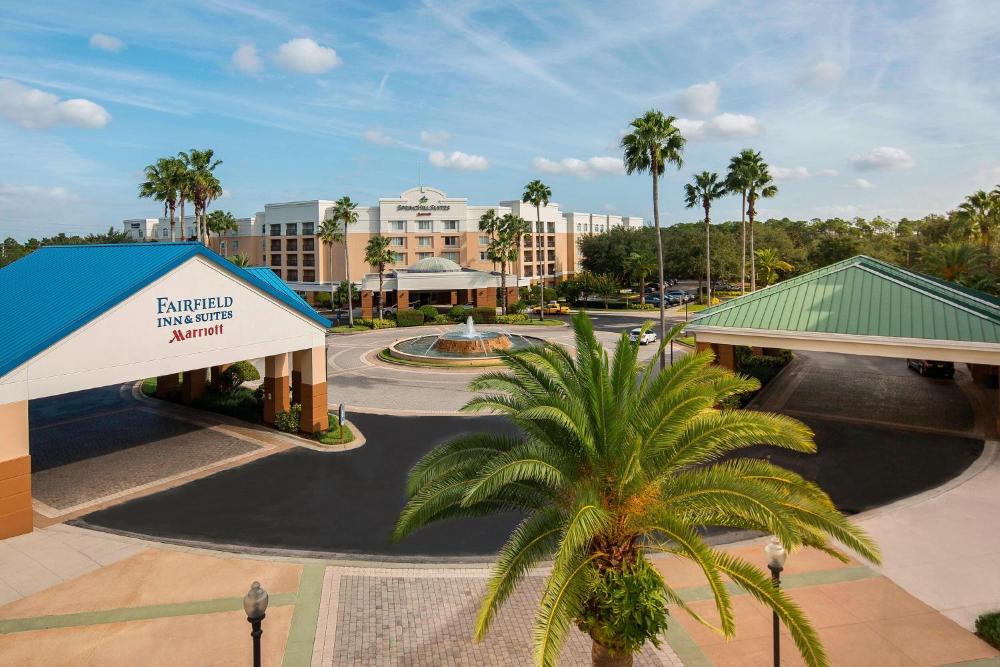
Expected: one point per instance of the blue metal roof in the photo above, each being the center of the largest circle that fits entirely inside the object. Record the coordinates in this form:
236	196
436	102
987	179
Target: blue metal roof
55	290
271	278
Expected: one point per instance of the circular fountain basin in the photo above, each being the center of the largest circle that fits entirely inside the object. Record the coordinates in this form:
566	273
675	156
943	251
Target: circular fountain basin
456	349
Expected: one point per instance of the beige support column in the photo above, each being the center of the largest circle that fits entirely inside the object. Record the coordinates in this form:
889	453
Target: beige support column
15	470
315	417
276	397
193	384
723	353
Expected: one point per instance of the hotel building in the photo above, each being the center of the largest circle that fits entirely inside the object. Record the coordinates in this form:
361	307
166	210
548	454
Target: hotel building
422	222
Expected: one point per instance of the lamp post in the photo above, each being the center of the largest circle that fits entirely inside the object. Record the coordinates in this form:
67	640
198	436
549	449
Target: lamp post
776	556
255	604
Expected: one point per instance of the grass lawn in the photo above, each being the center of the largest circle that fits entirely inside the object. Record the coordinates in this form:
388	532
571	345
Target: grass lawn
149	386
344	328
332	435
547	322
686	340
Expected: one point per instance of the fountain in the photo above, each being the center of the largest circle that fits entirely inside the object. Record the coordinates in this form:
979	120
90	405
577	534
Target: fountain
466	346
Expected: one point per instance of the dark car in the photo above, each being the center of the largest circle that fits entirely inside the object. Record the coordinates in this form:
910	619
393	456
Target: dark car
944	369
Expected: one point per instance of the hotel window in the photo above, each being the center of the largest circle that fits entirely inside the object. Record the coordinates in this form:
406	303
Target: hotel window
236	244
397	225
307	228
451	225
551	228
308	260
292	244
424	225
579	227
552	255
528	271
451	241
424	255
529	256
165	233
453	256
222	247
399	258
275	230
309	276
552	243
276	260
397	241
484	240
275	245
291	260
424	240
309	245
291	229
292	275
483	256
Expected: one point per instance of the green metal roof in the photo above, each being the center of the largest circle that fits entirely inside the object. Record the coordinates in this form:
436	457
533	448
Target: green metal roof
862	296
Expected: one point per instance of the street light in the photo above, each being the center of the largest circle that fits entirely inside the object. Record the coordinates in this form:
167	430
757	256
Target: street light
255	604
776	556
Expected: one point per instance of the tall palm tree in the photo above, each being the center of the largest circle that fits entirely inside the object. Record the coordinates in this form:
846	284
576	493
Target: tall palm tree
331	232
204	186
240	260
220	222
953	260
504	249
738	180
980	214
705	189
378	253
759	185
161	184
519	229
652	144
344	211
614	460
770	264
489	222
538	194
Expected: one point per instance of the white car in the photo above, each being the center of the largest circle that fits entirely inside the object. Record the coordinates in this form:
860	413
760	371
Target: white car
643	338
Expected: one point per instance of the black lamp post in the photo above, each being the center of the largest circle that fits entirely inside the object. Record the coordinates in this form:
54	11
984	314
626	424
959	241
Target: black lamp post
255	604
775	563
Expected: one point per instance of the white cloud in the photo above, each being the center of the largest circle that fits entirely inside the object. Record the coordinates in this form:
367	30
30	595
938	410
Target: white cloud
377	137
459	160
723	126
827	172
246	60
10	192
35	109
305	55
824	75
863	184
580	168
883	158
106	43
431	138
699	99
789	173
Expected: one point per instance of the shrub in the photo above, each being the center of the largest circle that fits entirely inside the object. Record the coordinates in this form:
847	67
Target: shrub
409	318
484	315
764	367
376	323
516	307
288	421
512	319
237	374
323	299
627	608
988	627
241	403
430	313
457	313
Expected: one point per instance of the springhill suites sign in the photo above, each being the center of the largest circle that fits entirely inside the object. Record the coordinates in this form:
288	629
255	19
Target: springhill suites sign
422	206
182	313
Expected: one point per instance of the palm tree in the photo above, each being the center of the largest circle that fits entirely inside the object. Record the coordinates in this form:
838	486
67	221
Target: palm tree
954	261
220	222
163	180
705	189
614	460
758	185
738	180
378	253
653	143
503	249
980	214
639	265
770	264
489	222
519	229
330	232
538	194
204	186
344	212
239	260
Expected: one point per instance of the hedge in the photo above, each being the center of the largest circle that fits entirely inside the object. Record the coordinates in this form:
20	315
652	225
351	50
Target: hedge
988	627
484	315
458	313
409	318
518	318
763	367
430	312
376	323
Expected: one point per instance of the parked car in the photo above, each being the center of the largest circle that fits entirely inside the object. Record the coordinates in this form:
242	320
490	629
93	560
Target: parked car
679	297
553	308
637	335
944	369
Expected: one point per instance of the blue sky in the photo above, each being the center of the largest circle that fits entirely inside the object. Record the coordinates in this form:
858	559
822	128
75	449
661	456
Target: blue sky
861	108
